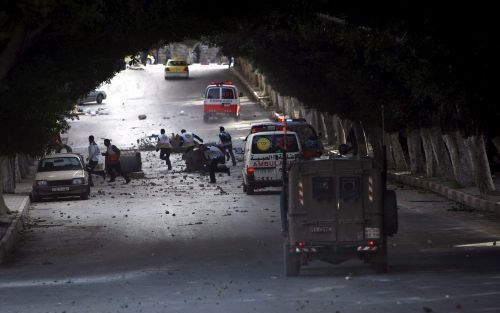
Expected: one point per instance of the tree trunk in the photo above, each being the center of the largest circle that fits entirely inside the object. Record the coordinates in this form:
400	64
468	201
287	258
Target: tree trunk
477	150
3	207
465	165
9	174
361	139
441	155
329	129
397	152
339	130
496	143
451	143
415	150
391	161
430	161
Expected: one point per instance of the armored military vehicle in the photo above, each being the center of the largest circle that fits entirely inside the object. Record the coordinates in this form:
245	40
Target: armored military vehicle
337	209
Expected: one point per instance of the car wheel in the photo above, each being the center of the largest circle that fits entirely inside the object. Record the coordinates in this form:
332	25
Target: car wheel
99	98
205	117
85	195
249	189
35	197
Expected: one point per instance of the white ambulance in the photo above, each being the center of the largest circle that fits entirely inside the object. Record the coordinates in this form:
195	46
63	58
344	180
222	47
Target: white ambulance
263	158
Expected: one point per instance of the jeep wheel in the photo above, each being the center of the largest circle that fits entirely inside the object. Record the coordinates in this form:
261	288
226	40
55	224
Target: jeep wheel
379	261
390	213
291	262
99	98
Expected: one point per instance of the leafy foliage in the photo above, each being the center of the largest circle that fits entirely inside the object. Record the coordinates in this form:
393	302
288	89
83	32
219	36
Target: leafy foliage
426	66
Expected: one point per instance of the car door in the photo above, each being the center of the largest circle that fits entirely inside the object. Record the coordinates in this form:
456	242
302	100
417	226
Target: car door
263	158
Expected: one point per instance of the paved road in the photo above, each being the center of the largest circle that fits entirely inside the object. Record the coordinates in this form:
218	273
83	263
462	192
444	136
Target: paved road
173	243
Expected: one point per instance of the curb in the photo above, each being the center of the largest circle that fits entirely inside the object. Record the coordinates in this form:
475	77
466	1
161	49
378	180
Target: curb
255	97
452	194
9	239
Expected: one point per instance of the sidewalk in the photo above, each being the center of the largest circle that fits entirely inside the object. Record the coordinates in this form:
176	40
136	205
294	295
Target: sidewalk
469	196
19	204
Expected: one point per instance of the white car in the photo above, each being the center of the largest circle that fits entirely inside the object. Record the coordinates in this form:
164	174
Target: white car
94	95
61	174
263	159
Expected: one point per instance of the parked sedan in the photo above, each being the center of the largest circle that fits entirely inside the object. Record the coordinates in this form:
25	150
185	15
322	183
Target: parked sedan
94	95
61	175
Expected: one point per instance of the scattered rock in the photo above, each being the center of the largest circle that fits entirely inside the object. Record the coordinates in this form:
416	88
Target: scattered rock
142	116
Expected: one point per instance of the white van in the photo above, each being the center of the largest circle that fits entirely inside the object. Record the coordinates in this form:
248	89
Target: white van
263	158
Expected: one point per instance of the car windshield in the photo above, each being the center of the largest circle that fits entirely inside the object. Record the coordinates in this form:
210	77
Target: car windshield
59	164
263	144
177	63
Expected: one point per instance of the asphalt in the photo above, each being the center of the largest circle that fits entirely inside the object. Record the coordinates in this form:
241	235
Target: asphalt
171	242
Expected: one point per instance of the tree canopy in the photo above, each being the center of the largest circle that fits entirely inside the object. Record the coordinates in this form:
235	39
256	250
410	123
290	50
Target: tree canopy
426	65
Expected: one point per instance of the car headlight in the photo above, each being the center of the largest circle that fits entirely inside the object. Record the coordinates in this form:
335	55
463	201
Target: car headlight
77	181
42	183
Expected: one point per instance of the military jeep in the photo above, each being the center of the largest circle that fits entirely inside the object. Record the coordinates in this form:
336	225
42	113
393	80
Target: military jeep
334	210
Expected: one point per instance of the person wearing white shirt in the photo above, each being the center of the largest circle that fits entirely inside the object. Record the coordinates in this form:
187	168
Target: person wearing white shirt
93	159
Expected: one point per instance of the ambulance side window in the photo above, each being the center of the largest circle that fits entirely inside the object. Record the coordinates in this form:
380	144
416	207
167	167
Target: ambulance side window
349	188
323	188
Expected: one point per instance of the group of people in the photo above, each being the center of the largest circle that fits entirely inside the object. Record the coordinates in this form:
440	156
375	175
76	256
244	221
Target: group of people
112	161
213	155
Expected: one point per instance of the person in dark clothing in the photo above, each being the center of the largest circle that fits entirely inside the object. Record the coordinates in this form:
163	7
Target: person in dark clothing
227	144
112	161
213	156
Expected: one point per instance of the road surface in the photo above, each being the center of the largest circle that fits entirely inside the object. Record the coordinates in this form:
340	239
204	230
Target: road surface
174	243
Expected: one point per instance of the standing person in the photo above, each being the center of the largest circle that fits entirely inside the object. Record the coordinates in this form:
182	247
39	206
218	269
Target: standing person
213	156
165	147
112	155
93	159
227	144
187	139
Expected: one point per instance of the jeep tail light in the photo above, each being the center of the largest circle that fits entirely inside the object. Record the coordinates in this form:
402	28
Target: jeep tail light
250	171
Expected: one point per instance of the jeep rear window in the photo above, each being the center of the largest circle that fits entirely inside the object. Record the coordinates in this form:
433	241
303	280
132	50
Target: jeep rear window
59	164
264	144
